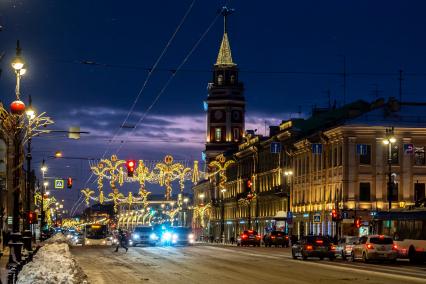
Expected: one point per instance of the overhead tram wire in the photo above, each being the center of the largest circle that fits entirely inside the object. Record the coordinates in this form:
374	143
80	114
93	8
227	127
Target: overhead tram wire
247	71
150	72
171	78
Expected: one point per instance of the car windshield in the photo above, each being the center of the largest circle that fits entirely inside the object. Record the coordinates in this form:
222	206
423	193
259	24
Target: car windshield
381	241
182	230
143	229
277	233
351	240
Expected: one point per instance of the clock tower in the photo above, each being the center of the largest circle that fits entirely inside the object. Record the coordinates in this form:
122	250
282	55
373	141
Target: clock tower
225	102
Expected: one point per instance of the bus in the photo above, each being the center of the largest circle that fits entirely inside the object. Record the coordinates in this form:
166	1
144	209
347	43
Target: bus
96	234
408	229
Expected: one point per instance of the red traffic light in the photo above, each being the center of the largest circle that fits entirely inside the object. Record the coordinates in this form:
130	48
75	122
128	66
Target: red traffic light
358	222
130	164
32	217
69	182
249	183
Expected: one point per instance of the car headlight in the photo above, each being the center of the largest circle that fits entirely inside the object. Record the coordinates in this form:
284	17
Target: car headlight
191	236
130	242
166	236
175	236
135	236
103	242
87	241
153	237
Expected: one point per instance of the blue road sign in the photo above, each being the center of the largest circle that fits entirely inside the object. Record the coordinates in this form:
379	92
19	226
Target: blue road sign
317	218
275	147
317	148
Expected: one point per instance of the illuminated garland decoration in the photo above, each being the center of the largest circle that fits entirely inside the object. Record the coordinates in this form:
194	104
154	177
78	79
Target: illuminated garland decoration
219	167
163	173
201	212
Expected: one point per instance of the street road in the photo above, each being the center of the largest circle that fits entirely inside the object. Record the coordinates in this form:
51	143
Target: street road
226	264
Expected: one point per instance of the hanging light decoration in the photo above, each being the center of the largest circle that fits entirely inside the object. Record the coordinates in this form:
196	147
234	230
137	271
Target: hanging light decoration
17	107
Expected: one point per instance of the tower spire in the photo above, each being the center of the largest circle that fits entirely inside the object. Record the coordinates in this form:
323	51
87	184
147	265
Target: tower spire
224	58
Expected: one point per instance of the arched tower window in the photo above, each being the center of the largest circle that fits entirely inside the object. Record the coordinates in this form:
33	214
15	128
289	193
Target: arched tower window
232	80
220	79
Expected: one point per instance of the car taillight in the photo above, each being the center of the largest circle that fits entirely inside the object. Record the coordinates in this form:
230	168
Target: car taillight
370	246
258	237
272	237
309	247
332	248
286	237
244	236
319	241
395	247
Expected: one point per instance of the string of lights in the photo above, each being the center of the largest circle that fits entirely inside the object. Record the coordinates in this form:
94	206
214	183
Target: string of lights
145	83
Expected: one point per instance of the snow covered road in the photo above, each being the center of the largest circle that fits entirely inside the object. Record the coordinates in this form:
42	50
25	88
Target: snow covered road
216	264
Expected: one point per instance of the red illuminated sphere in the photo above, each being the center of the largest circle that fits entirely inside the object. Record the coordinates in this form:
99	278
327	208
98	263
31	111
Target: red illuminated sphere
17	107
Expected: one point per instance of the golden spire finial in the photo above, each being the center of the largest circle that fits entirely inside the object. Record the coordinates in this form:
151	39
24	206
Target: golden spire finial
225	57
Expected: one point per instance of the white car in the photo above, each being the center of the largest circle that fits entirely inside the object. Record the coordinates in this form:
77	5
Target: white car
374	247
345	245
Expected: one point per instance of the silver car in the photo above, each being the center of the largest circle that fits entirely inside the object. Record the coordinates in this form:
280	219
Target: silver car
375	247
345	245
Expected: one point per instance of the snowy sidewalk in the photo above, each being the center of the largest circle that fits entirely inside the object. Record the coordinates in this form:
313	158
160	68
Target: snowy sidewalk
52	264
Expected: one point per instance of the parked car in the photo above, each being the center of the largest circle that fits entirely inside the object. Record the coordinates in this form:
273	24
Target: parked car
313	246
249	237
374	247
276	238
141	235
344	246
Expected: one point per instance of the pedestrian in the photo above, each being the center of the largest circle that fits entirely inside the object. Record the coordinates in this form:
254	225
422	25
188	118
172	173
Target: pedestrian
122	240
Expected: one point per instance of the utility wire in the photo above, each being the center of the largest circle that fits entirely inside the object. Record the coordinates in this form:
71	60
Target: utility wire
171	77
147	79
249	71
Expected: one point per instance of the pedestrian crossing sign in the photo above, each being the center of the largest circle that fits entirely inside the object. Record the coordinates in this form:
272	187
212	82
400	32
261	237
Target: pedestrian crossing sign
59	183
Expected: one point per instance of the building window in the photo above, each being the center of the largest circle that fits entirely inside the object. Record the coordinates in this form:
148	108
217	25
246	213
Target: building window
364	191
220	79
236	134
395	154
218	134
340	155
419	191
419	156
395	192
365	156
335	157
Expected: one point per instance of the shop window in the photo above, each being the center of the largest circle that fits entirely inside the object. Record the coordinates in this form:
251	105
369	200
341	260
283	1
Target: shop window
364	191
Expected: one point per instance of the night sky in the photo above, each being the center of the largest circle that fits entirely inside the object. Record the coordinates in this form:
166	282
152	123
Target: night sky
290	53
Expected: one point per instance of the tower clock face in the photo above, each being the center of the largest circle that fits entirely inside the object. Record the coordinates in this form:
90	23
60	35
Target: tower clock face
236	115
218	115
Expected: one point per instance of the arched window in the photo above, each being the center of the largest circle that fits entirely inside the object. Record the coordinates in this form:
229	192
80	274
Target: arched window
220	79
232	80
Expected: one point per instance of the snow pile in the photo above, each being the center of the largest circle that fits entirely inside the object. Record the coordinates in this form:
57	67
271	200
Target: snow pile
53	264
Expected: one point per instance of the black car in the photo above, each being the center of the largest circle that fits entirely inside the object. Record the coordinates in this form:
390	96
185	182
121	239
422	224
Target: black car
182	236
313	246
143	235
247	238
276	238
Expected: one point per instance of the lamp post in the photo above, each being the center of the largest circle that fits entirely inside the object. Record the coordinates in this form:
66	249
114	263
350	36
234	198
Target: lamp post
43	189
222	215
389	140
289	188
17	109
